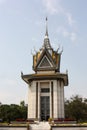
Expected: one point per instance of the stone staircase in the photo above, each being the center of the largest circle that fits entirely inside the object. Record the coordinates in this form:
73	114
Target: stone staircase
40	126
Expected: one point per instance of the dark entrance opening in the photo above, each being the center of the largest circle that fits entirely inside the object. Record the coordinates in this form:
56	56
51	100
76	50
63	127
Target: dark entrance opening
45	108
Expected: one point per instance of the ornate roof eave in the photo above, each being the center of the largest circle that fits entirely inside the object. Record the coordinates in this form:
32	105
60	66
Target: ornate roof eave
58	76
23	77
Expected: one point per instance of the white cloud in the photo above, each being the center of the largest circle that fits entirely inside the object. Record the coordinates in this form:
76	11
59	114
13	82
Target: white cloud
54	7
70	19
51	6
67	34
73	36
63	31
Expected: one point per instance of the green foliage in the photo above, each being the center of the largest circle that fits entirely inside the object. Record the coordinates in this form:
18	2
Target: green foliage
22	103
76	108
12	112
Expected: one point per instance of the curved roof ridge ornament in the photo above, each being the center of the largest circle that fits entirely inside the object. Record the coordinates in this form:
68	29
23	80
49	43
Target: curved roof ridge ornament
61	50
58	48
35	50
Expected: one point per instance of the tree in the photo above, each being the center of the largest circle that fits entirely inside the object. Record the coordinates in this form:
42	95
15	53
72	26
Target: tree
0	103
4	112
76	108
23	109
15	112
12	112
22	103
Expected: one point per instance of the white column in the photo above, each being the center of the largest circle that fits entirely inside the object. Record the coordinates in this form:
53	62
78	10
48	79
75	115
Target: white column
38	100
62	99
32	101
55	110
50	100
29	101
59	100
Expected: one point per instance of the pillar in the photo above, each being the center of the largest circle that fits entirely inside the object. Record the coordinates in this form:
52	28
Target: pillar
62	99
59	99
55	108
32	101
39	100
50	101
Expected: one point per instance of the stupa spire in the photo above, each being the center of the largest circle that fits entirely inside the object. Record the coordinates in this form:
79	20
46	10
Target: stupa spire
46	34
46	43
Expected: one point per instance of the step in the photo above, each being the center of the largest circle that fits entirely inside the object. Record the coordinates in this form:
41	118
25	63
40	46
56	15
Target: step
40	126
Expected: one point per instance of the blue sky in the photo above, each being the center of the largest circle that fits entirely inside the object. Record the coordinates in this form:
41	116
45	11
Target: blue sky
22	28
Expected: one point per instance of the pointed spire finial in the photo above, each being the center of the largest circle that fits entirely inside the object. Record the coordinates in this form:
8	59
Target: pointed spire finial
46	39
46	28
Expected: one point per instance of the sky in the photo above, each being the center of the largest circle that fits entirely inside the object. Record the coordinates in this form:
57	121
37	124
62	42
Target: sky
22	30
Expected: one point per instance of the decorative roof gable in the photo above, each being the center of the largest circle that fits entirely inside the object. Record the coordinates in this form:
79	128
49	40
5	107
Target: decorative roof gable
46	58
45	63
